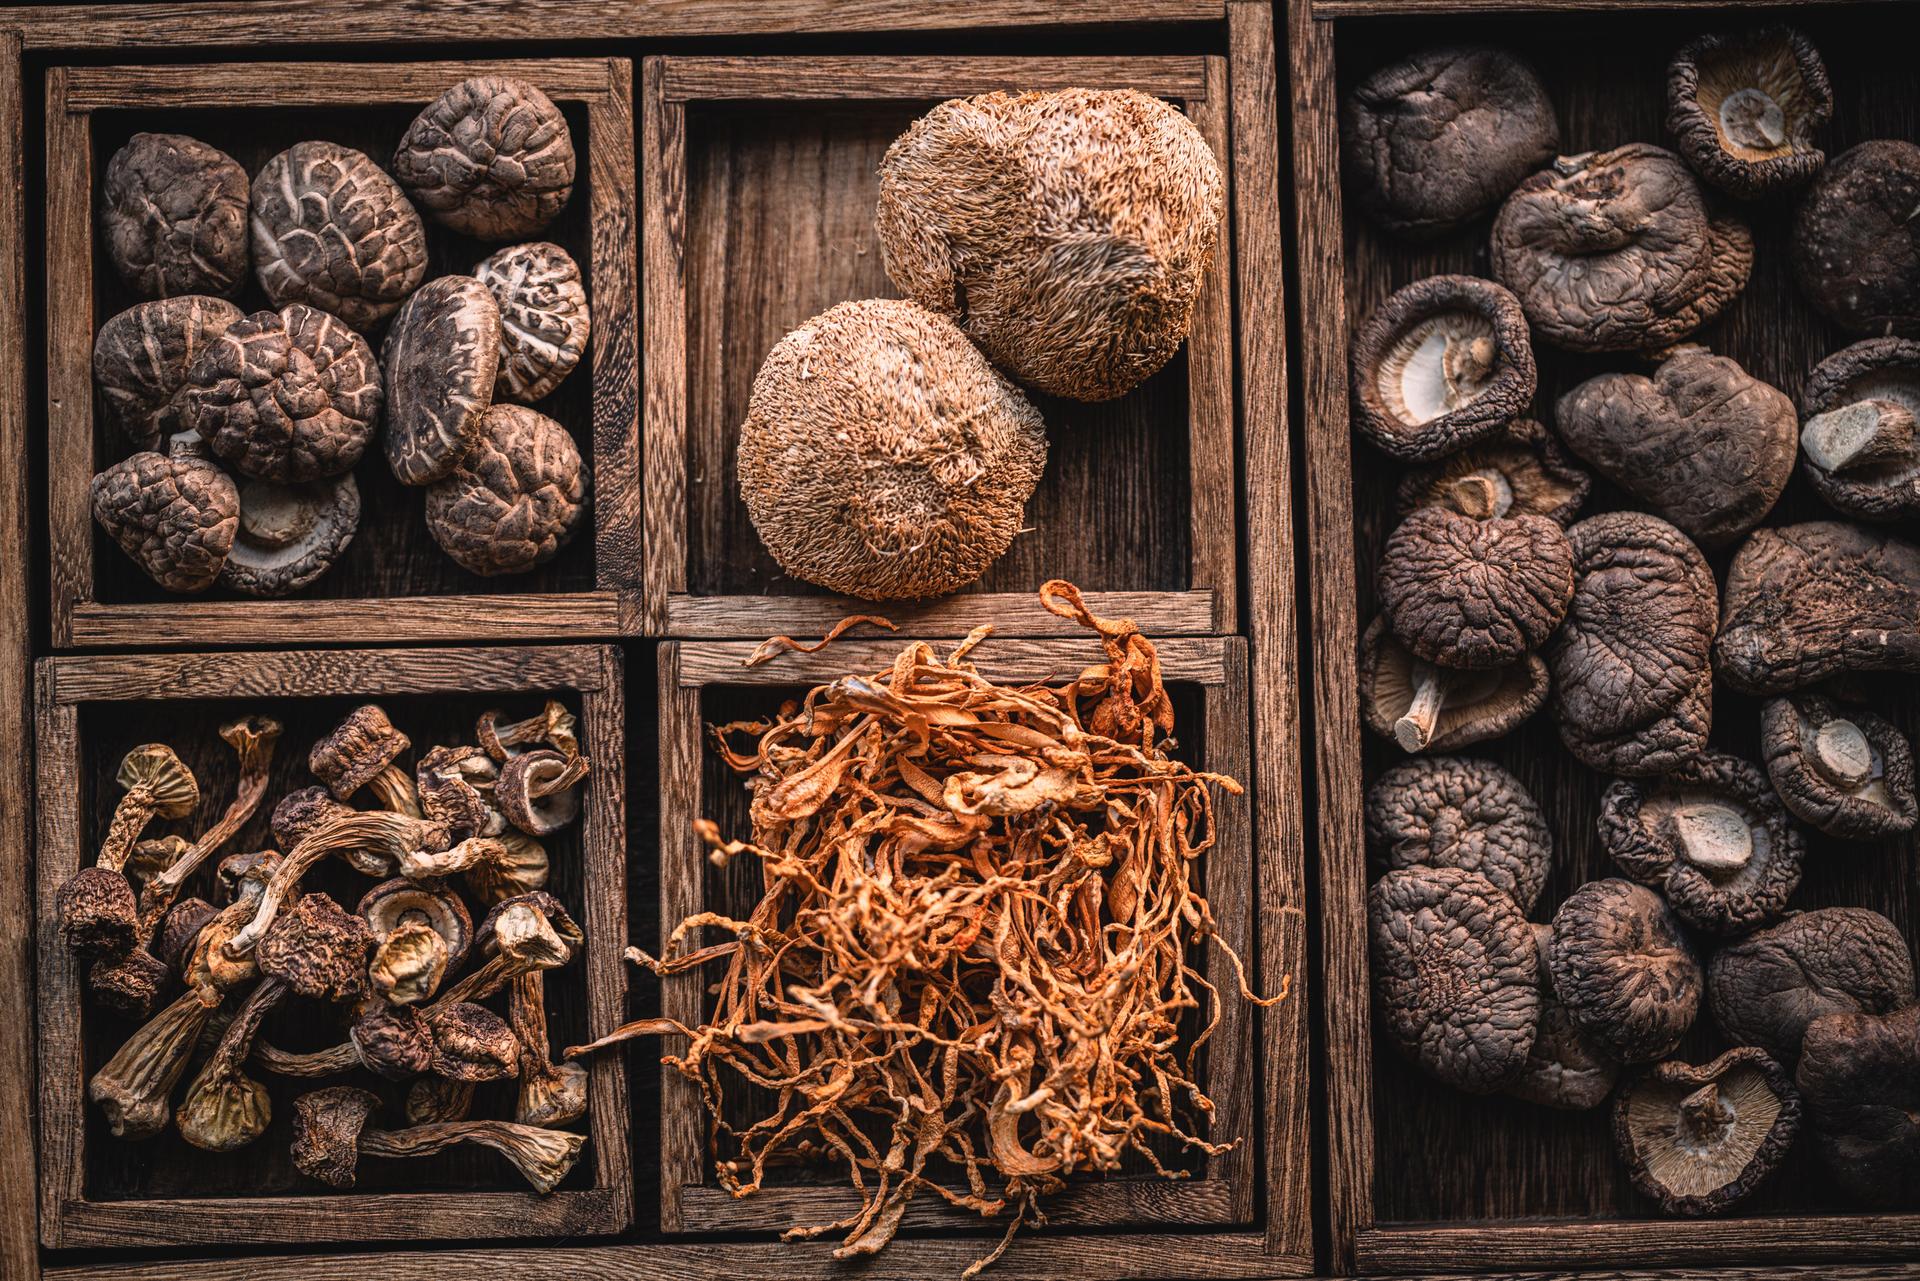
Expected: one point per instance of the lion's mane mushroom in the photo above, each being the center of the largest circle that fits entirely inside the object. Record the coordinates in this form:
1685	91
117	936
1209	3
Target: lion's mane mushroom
1618	250
1456	975
330	1137
1698	1139
1805	602
1431	142
1474	594
1522	471
544	322
539	791
1423	707
1067	233
883	457
1565	1067
141	357
491	158
1861	455
1632	685
174	514
1843	770
1440	365
98	913
516	497
173	213
360	752
1451	811
332	230
1743	107
407	965
1856	248
1703	442
1765	989
1624	970
1860	1077
440	357
290	534
1712	836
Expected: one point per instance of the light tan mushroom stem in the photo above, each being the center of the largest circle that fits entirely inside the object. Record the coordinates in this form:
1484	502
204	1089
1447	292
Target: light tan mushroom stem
1482	495
526	941
332	1061
1860	434
384	834
542	1156
1704	1116
550	1093
1842	752
1714	836
253	739
1414	730
1750	118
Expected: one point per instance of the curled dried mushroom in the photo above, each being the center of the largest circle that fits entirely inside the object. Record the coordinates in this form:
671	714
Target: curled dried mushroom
332	230
514	499
1743	107
1421	706
330	1137
1767	988
1860	1077
1521	471
1856	250
289	535
173	213
141	357
491	158
1858	441
1565	1068
1452	811
1843	770
1623	968
175	514
440	359
1475	594
544	322
1699	1139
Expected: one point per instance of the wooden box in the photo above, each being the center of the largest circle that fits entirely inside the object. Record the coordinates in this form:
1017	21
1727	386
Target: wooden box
96	1190
1421	1177
393	583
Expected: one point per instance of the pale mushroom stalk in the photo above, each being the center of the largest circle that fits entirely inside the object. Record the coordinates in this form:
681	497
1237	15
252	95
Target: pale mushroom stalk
1414	730
1862	434
253	739
484	860
527	942
335	1060
384	834
331	1136
554	725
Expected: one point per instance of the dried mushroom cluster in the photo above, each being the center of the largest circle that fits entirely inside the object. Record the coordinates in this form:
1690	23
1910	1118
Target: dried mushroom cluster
249	427
1497	599
456	916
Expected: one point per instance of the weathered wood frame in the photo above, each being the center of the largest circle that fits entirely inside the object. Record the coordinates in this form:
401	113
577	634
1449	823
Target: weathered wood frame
67	1217
73	95
669	84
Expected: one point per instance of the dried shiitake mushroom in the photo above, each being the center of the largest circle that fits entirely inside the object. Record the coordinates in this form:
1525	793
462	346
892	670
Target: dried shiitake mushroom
514	499
1743	107
1565	1068
1618	250
1421	706
175	513
1474	594
544	322
1438	138
1856	249
1841	769
491	158
1858	441
1521	471
1765	989
1452	811
141	358
440	357
330	229
1859	1075
1067	233
1699	1139
290	535
1623	968
1439	365
173	213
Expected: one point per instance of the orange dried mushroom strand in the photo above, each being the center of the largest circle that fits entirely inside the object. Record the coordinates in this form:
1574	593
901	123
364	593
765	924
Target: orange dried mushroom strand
971	953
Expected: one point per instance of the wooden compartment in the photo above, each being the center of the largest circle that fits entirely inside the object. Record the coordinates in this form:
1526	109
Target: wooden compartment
761	176
1422	1177
393	583
96	1190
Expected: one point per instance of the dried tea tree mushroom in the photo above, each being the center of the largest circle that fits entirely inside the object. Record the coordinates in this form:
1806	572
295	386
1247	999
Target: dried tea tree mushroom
539	791
1858	439
1765	989
1805	602
470	1042
1067	233
544	322
554	726
517	865
1856	250
1623	968
440	356
550	1093
1522	471
224	1108
175	514
290	534
1451	811
1565	1067
371	840
1703	442
1475	594
173	213
1843	770
1440	365
1632	685
432	1100
1699	1139
360	752
883	457
330	1137
396	905
491	158
456	787
1712	836
1437	139
1859	1075
179	930
300	811
520	935
389	1041
98	913
516	497
141	358
1456	975
1744	107
330	229
1619	250
318	949
1421	706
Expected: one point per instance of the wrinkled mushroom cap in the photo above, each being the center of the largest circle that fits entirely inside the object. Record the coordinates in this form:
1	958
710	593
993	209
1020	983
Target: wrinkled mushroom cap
544	322
326	1132
1766	988
472	1043
156	768
440	358
290	535
1624	970
393	903
1858	442
1743	108
1472	707
392	1041
516	497
1856	249
520	868
510	925
99	915
299	812
173	213
1859	1075
409	963
317	949
359	748
455	786
179	930
332	230
523	775
1565	1068
141	357
129	984
1698	1139
491	158
1522	471
1841	769
174	514
1474	594
1452	811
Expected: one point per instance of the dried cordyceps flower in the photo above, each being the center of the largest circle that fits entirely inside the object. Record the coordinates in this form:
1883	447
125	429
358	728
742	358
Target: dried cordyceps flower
972	958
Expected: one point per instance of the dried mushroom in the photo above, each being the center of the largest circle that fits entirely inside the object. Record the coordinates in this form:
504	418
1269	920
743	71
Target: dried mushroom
1474	594
1856	250
1743	107
318	950
1699	1139
514	499
491	158
173	213
1521	471
332	230
1440	365
1421	706
1632	685
1433	141
374	842
539	792
1618	251
1860	1077
360	752
1843	770
99	915
1703	442
1565	1068
1623	968
225	1109
389	1041
1451	811
175	514
1067	233
544	322
330	1137
141	358
398	902
1858	441
883	457
441	356
1711	835
290	535
554	726
455	786
1765	989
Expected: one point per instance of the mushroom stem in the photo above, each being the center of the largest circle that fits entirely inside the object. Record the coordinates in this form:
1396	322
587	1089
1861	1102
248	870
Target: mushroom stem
574	770
332	1061
385	834
253	739
550	1093
536	946
130	817
542	1156
1842	752
1704	1116
555	726
1858	435
132	1088
1477	495
225	1109
1414	730
1714	836
394	789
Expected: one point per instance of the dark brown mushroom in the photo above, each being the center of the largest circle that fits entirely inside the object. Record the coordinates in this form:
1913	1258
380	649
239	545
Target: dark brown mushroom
1859	446
514	499
180	930
175	514
544	322
1856	249
1423	707
1565	1068
1451	811
391	1041
1474	594
553	726
1522	471
318	950
360	752
539	791
470	1042
1765	989
491	158
332	230
173	213
99	915
1841	769
441	356
330	1137
1860	1077
141	357
456	787
1744	107
1699	1139
300	811
1624	969
290	535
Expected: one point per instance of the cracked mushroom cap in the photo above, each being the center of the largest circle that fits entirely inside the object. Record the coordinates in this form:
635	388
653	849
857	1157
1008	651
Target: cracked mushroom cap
397	902
1704	443
362	746
1427	708
1622	966
1565	1068
175	514
173	212
1455	975
1743	107
1840	769
1068	233
1859	1075
491	158
290	534
1698	1139
332	230
317	949
1858	445
516	497
1437	139
99	915
883	457
1474	594
180	930
141	358
440	356
326	1132
1453	811
1856	248
1522	471
1712	836
302	810
1766	989
1440	365
544	322
472	1043
1618	251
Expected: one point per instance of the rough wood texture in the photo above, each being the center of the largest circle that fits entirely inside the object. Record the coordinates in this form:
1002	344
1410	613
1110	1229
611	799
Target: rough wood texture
926	78
1010	613
1326	10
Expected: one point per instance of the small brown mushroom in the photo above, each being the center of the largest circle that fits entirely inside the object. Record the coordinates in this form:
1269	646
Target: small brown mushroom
407	966
456	787
550	1093
360	752
318	950
1451	811
1474	594
1843	770
290	535
470	1042
99	915
544	322
1565	1067
1859	447
1856	250
175	514
491	158
514	499
1860	1077
1421	706
225	1109
173	213
390	1041
179	930
554	726
1624	970
440	358
1766	988
1743	107
332	230
141	357
299	811
520	935
330	1137
1522	471
1699	1139
539	791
